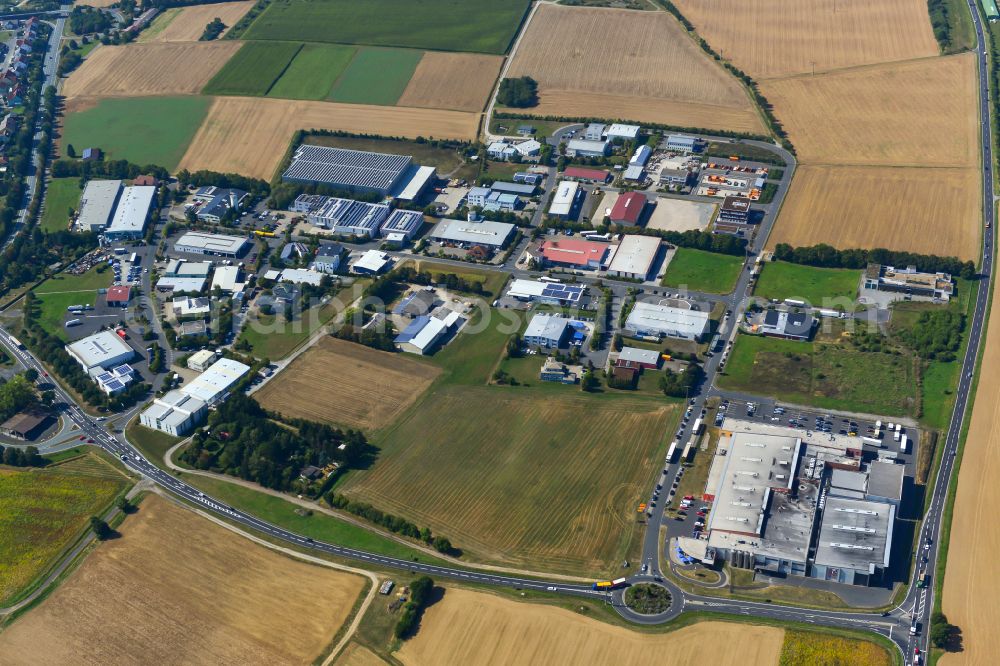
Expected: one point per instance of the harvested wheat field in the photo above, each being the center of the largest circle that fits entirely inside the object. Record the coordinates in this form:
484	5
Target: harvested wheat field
137	70
356	654
970	587
249	135
769	38
178	589
468	627
625	64
930	211
347	384
189	23
919	113
460	81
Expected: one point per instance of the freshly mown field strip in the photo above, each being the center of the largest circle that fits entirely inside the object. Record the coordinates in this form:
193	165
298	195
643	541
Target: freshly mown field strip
176	588
630	65
811	35
347	384
807	648
61	194
250	135
930	211
469	627
376	76
42	511
551	482
254	68
697	270
312	72
136	70
143	130
819	287
917	113
460	81
189	24
825	375
481	26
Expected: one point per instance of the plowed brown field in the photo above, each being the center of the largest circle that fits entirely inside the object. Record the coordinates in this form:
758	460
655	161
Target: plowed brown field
930	211
178	589
919	113
189	24
347	384
249	135
627	64
460	81
768	38
469	627
137	70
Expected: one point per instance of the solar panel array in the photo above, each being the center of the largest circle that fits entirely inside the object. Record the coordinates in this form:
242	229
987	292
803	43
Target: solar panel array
346	168
357	215
563	292
403	221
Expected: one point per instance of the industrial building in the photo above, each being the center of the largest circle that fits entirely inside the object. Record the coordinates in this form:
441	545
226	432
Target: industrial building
295	276
641	156
186	306
358	171
634	173
520	189
681	143
216	202
787	325
349	217
229	279
465	233
587	148
100	351
573	253
657	321
634	257
97	203
187	269
909	282
176	413
556	371
554	293
327	258
628	208
640	358
213	385
26	425
404	223
196	242
733	217
594	132
115	380
417	303
118	296
131	214
192	285
622	132
854	542
564	199
372	262
547	331
585	174
425	332
201	360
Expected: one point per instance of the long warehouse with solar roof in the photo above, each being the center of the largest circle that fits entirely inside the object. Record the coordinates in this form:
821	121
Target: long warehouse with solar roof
358	171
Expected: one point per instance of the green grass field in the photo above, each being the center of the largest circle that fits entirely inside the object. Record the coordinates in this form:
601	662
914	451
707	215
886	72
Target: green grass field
484	26
376	76
143	130
152	444
541	480
825	375
253	70
42	511
313	72
61	195
59	292
806	648
819	287
698	270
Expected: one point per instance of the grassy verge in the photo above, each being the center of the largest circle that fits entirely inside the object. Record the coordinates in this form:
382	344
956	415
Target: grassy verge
152	444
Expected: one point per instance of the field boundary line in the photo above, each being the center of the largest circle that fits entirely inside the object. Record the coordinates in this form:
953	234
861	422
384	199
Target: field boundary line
861	67
358	616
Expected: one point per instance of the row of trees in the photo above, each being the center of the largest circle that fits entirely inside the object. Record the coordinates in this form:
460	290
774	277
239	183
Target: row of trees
391	522
826	256
420	595
26	457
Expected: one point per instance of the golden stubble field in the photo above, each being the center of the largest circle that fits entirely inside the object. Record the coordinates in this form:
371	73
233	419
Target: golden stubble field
468	627
347	384
189	23
971	586
178	589
627	64
136	70
919	113
929	211
769	38
459	81
249	135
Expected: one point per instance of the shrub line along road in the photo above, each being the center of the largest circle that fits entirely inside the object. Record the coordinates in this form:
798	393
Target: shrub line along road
918	602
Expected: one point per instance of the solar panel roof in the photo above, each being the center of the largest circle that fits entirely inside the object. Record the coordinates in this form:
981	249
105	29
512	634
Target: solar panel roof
351	168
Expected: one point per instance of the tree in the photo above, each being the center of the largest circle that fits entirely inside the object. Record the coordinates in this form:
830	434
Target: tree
31	374
941	630
442	545
521	92
589	382
100	528
123	504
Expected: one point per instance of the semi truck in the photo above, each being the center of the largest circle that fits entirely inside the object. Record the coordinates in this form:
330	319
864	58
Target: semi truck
608	584
904	444
696	428
672	451
795	303
872	441
17	343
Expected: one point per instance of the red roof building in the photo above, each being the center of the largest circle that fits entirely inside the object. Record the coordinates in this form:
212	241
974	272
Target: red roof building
628	209
580	173
574	253
119	295
145	180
